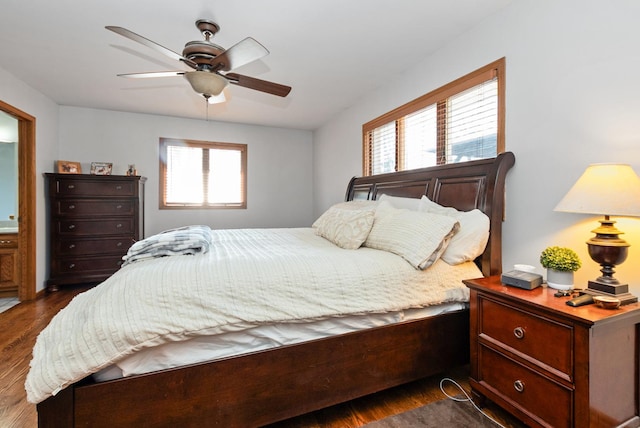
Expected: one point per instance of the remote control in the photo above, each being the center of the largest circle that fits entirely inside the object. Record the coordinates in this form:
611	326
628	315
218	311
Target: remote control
583	299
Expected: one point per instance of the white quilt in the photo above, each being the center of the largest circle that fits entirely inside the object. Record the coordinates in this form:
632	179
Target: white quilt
249	277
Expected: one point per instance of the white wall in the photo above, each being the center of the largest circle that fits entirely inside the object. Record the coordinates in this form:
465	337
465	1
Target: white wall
279	190
17	94
573	98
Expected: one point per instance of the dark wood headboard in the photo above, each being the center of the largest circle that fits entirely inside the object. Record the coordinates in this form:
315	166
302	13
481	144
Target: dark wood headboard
464	186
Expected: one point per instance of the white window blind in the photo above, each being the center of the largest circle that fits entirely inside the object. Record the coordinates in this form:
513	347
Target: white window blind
462	121
196	174
472	123
421	137
184	175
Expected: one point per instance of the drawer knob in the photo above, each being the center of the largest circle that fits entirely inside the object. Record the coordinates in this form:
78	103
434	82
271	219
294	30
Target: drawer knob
119	225
72	265
518	332
72	246
72	226
118	187
518	385
71	186
119	244
72	207
119	207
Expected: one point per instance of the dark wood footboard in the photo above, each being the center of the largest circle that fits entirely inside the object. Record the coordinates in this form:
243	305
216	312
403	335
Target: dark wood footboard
267	386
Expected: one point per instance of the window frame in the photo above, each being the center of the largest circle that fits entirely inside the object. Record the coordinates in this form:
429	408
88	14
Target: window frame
166	142
438	97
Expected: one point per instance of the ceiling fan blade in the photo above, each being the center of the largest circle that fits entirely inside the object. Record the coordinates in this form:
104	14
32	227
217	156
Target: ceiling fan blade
241	53
258	85
151	44
153	74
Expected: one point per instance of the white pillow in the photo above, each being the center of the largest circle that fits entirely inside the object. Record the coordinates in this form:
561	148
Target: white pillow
470	241
412	204
346	224
418	237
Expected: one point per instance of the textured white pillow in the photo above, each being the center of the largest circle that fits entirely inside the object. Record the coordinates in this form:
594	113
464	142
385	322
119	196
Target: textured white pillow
470	241
418	237
346	224
412	204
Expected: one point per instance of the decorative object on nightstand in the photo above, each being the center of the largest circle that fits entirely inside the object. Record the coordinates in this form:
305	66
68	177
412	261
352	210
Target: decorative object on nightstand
606	189
561	263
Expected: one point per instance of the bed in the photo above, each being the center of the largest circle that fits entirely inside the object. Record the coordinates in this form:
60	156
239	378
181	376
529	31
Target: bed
266	386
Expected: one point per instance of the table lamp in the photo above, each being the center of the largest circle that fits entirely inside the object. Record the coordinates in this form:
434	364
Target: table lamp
606	189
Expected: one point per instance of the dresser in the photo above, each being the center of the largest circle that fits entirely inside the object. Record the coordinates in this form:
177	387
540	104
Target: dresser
92	222
552	365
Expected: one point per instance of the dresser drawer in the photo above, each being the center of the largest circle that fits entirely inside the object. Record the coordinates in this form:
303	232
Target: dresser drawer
117	245
89	265
97	227
73	187
80	207
526	389
542	339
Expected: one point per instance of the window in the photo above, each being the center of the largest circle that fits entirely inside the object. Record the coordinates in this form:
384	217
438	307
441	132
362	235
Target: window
461	121
200	174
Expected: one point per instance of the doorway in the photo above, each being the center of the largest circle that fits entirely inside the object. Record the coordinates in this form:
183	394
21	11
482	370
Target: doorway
26	201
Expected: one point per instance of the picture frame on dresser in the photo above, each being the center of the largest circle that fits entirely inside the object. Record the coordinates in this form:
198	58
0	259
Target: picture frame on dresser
101	168
68	167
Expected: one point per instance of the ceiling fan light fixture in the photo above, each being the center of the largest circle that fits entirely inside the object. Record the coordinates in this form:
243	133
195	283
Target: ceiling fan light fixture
206	82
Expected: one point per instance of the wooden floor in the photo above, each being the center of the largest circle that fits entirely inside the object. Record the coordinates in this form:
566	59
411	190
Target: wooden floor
22	323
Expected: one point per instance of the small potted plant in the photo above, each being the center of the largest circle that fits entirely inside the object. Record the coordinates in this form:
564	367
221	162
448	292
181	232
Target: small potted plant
561	263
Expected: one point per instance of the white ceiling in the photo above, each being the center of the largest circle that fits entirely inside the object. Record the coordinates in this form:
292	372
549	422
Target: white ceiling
332	52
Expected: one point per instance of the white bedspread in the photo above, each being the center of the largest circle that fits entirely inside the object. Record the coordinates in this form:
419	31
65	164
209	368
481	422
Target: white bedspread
249	277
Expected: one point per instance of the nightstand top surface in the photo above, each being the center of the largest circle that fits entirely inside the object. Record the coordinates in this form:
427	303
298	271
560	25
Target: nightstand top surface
543	298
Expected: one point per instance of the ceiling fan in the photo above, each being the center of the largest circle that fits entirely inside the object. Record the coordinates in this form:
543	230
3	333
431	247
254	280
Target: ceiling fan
210	62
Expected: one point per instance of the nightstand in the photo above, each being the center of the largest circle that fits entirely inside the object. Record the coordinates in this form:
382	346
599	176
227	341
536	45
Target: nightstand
552	365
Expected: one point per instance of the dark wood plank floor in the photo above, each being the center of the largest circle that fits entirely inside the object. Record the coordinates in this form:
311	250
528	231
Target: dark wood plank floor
22	323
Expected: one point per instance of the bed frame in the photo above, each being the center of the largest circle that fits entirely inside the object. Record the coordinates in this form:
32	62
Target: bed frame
269	386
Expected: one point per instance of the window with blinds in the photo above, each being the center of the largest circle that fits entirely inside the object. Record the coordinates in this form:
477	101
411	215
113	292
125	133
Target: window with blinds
199	174
462	121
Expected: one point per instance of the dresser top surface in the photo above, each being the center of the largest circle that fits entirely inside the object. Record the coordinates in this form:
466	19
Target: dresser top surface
543	298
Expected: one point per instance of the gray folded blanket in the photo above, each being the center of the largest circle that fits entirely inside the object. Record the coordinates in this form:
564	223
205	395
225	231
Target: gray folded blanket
187	240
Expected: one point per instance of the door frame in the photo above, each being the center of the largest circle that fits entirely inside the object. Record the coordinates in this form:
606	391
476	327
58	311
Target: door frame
26	201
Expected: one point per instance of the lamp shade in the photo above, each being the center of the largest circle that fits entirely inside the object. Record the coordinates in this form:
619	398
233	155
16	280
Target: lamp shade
206	83
605	189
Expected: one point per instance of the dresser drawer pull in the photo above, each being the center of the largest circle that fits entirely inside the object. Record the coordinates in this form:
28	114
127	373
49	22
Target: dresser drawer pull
118	187
118	207
119	225
72	246
72	207
518	332
72	265
72	226
518	385
119	244
71	186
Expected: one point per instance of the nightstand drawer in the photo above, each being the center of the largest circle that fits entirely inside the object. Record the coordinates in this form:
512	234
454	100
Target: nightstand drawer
526	389
541	339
